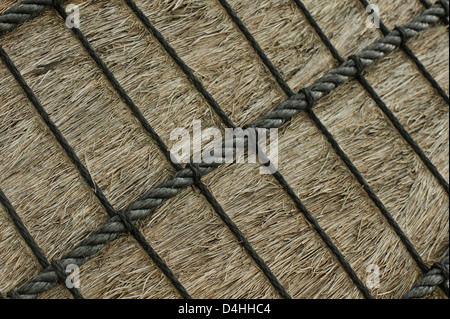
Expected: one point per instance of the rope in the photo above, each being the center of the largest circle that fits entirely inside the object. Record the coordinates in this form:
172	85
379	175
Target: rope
29	240
413	57
342	73
359	66
194	168
427	4
436	276
62	277
237	232
278	176
16	15
144	206
256	47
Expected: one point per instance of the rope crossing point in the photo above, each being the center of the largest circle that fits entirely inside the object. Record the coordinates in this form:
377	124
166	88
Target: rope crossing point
113	228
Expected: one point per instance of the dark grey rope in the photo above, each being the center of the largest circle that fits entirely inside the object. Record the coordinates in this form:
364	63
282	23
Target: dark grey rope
20	13
308	96
348	69
436	276
144	206
359	66
278	176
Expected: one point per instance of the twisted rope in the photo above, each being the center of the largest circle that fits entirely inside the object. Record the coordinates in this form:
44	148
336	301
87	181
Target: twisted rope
278	176
437	275
342	73
143	207
21	13
307	93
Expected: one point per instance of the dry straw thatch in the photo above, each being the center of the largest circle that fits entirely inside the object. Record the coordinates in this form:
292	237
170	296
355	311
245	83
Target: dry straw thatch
59	209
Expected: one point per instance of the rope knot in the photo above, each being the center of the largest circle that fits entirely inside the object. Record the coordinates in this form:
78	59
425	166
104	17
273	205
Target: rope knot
59	269
62	275
196	173
125	220
403	35
442	268
358	64
309	98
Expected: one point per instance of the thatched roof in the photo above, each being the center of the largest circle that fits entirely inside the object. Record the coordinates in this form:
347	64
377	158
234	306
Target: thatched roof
60	209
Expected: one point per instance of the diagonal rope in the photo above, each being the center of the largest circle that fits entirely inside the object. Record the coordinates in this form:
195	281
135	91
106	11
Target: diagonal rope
163	147
29	240
427	4
384	29
144	206
346	70
278	176
129	226
358	63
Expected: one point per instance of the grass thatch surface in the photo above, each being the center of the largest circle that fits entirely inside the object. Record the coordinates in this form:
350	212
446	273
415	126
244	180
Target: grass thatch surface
59	209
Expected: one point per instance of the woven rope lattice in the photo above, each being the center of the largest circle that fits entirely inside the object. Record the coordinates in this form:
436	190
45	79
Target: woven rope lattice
185	177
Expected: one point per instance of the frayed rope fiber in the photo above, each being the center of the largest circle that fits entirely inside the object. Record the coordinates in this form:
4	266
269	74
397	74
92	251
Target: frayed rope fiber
144	206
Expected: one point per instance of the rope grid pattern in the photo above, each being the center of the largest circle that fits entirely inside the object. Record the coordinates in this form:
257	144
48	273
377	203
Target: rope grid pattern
123	221
134	108
359	66
384	30
310	100
229	123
